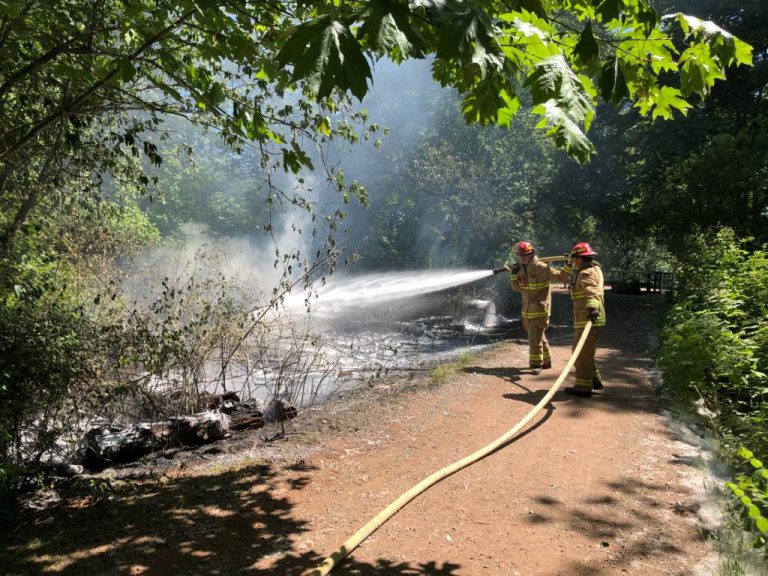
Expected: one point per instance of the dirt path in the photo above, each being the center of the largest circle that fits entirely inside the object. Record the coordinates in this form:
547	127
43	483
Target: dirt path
596	486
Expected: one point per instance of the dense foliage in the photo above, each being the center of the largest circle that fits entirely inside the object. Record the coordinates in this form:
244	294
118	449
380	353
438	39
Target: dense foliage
750	489
716	341
668	180
75	74
715	348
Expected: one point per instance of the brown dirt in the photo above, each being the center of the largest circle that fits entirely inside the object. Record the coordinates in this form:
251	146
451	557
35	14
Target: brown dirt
594	487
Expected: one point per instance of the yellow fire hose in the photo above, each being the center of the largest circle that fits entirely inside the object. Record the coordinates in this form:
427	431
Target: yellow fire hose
354	541
554	258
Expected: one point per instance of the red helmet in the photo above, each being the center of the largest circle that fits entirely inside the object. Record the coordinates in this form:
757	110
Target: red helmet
524	248
582	249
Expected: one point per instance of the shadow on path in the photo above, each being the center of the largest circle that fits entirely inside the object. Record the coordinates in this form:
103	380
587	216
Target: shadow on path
629	503
234	522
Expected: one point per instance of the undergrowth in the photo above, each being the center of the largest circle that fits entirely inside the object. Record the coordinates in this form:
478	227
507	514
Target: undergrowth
714	348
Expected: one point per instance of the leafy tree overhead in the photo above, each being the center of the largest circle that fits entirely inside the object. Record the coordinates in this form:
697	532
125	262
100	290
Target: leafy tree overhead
670	179
713	162
75	74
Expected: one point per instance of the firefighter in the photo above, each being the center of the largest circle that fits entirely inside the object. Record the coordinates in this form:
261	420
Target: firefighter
588	304
531	277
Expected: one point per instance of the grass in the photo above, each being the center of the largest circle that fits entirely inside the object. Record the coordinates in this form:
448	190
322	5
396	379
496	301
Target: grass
737	556
443	372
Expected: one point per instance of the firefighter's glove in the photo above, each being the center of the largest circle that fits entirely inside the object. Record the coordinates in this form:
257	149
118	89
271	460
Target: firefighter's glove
500	270
515	268
593	314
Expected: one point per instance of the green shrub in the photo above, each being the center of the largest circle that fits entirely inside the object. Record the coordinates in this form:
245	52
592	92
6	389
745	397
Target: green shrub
715	341
45	356
750	497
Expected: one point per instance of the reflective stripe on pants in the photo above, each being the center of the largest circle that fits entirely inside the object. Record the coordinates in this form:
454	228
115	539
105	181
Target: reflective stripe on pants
586	367
538	346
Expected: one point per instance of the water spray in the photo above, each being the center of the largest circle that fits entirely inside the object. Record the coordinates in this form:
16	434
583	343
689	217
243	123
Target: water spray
372	289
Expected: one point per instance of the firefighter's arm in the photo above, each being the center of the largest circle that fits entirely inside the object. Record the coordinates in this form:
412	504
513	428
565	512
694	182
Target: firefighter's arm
515	278
561	274
591	286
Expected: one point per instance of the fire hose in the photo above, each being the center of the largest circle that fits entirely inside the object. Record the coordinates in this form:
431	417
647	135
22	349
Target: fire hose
354	541
563	258
547	259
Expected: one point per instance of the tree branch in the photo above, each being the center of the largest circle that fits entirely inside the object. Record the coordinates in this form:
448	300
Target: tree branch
62	111
8	27
34	66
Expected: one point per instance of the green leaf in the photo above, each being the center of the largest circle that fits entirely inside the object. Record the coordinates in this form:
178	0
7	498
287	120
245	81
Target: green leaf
510	108
744	453
645	13
608	10
699	70
127	71
564	104
564	132
582	9
295	159
553	79
656	48
166	88
529	38
728	49
323	126
587	51
387	29
738	492
466	32
326	55
487	103
215	94
762	524
612	85
662	101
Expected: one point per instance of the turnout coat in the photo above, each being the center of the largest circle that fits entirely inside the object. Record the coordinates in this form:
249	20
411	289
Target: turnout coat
533	282
587	292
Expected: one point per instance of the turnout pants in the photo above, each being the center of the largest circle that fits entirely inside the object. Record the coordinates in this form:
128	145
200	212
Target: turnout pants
586	367
538	346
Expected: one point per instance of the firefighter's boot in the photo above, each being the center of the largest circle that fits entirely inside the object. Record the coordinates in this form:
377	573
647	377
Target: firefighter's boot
573	391
597	381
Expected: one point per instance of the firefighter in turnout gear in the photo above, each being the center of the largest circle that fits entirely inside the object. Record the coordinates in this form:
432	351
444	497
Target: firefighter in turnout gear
588	304
532	277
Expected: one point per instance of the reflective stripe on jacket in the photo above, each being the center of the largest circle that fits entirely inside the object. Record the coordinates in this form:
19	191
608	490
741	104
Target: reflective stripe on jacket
587	292
532	281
